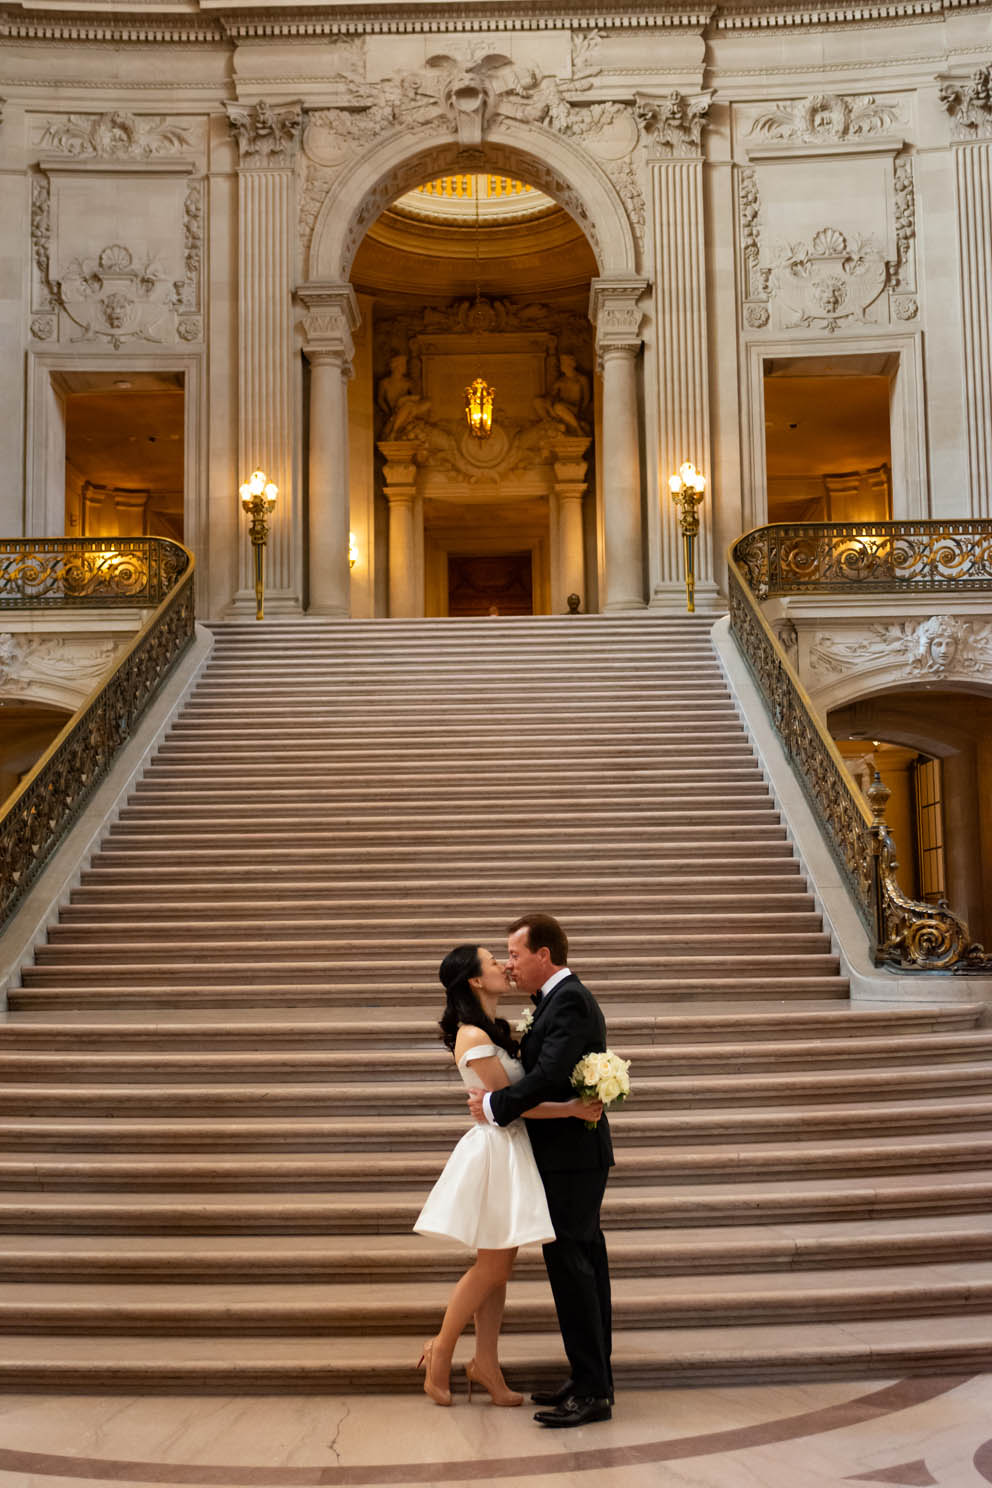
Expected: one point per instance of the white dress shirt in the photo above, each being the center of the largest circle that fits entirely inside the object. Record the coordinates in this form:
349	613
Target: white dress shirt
544	991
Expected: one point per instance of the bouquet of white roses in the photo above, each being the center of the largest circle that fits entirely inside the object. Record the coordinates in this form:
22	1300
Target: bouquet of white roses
603	1077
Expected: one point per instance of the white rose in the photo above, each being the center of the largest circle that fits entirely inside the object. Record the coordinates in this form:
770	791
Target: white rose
609	1089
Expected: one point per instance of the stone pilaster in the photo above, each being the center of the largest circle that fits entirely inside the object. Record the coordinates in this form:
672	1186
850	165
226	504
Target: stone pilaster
267	141
332	316
614	312
570	487
682	360
400	481
969	104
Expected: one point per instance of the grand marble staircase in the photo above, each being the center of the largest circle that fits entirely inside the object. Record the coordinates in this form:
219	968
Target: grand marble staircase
222	1098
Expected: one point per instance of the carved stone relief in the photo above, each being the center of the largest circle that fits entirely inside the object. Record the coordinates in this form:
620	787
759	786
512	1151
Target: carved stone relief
969	104
825	116
266	136
59	669
473	97
115	136
118	293
674	123
938	647
833	278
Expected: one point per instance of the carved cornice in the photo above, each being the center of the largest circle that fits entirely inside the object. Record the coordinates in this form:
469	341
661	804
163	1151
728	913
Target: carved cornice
267	137
101	23
969	103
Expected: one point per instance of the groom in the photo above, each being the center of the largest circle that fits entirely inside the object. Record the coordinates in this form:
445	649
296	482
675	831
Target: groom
574	1163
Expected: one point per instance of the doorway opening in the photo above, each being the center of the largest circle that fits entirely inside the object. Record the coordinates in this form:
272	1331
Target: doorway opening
828	443
490	584
124	453
914	812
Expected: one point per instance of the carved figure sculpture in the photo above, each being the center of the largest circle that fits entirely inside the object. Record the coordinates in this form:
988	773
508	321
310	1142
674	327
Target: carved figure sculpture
568	396
397	399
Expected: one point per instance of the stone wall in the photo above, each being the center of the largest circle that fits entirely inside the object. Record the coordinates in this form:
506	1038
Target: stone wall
188	195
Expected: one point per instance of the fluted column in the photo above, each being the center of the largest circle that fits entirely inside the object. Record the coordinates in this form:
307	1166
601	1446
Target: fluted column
613	310
968	101
400	481
268	140
682	368
332	316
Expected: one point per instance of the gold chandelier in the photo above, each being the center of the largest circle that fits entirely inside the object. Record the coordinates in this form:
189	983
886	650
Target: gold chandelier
479	407
479	396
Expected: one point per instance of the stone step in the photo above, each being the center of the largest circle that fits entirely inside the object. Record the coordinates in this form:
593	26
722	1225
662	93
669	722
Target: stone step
787	1250
664	1357
430	1062
767	875
838	1021
381	951
878	1084
401	980
401	1308
380	1172
771	1126
98	1212
656	818
45	992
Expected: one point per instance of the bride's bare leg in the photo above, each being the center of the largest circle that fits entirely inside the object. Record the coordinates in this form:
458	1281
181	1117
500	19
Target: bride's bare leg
489	1274
488	1321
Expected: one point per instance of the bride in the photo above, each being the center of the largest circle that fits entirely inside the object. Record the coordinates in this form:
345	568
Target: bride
490	1195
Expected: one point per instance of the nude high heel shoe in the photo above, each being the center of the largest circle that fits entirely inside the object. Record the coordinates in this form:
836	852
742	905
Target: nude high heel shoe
438	1395
499	1392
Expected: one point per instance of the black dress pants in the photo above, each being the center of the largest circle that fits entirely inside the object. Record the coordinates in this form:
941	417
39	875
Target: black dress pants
578	1271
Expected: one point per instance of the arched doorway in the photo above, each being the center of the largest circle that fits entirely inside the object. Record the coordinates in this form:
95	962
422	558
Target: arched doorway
609	540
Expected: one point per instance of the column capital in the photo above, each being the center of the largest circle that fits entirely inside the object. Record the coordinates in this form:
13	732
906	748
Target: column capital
614	312
968	101
267	138
332	316
673	124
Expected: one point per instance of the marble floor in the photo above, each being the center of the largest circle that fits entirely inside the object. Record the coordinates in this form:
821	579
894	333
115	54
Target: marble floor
913	1432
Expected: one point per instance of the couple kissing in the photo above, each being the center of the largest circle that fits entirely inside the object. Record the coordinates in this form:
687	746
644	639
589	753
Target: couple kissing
533	1167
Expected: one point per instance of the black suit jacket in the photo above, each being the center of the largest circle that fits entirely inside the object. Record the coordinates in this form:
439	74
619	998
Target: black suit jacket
567	1024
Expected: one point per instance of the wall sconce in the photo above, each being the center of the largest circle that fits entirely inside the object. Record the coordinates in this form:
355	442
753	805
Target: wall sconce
258	498
352	550
479	398
687	492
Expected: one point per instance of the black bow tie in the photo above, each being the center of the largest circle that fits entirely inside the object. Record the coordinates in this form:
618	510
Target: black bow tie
535	997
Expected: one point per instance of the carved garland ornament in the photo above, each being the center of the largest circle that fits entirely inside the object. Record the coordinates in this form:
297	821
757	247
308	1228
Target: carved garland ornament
116	135
825	116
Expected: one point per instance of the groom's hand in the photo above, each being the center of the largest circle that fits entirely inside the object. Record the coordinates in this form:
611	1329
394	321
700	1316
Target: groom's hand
475	1098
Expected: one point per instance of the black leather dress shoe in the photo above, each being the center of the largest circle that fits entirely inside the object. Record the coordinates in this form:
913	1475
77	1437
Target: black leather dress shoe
554	1397
577	1410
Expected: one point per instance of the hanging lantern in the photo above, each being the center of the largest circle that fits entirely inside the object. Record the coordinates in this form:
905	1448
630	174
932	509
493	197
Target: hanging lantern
479	407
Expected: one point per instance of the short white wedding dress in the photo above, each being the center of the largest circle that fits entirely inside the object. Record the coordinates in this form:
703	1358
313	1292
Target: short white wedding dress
490	1195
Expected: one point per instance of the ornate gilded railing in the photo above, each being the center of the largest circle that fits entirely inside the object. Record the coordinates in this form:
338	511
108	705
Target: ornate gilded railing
894	556
47	571
137	572
848	557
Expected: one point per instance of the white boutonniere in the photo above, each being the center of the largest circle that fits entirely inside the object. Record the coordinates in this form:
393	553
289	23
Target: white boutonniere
522	1025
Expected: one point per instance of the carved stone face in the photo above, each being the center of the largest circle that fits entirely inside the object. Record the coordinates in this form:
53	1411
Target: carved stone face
943	649
115	311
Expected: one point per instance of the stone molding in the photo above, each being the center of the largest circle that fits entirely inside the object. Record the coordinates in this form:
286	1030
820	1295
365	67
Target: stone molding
614	311
969	104
267	138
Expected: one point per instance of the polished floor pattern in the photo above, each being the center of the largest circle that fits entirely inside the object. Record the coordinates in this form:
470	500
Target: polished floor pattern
913	1432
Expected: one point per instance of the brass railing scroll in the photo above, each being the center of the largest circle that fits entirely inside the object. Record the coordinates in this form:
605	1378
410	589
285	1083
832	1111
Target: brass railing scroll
895	557
139	572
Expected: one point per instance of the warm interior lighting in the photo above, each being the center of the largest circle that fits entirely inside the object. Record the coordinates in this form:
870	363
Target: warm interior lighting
258	484
352	550
688	477
479	407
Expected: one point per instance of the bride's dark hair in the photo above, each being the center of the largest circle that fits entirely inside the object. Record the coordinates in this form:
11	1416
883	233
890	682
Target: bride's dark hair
462	1005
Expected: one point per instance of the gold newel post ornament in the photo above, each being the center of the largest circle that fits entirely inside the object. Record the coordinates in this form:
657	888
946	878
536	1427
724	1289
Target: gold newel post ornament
687	492
258	498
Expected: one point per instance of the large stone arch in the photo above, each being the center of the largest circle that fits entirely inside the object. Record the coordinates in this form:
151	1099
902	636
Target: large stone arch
366	186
